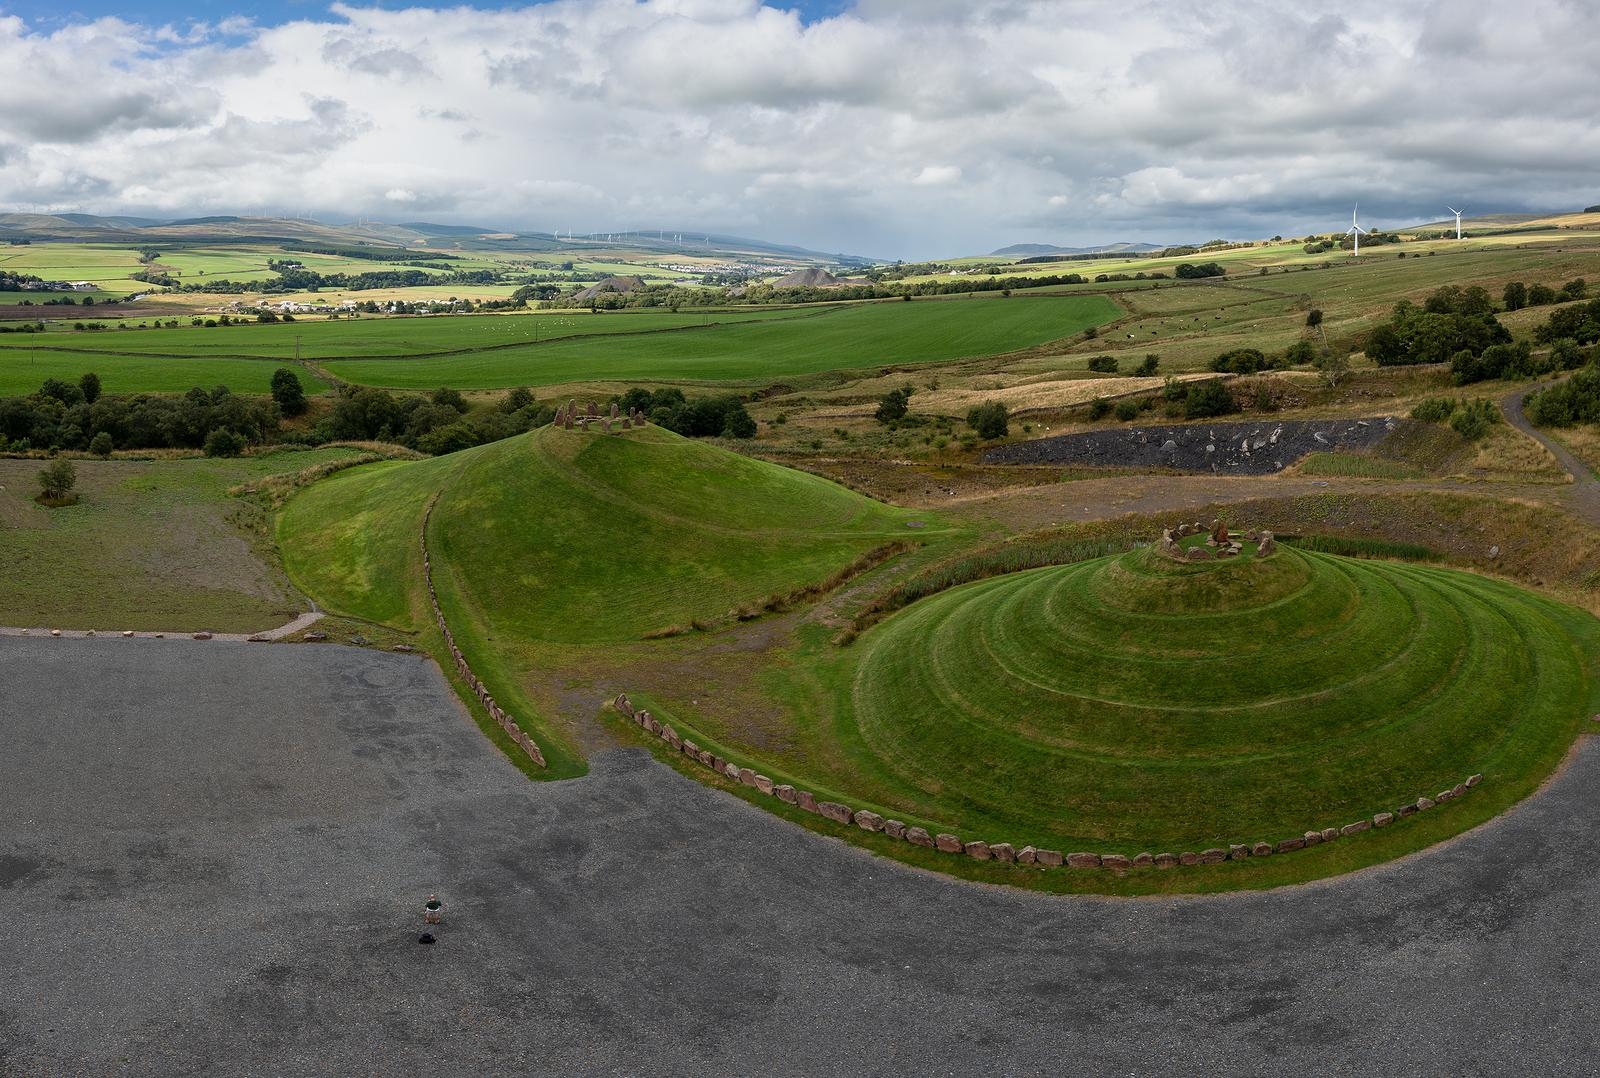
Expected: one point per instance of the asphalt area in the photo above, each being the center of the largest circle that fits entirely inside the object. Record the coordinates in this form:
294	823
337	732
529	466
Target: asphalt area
214	858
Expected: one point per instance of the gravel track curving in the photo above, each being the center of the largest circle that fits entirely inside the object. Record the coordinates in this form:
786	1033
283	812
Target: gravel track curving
213	861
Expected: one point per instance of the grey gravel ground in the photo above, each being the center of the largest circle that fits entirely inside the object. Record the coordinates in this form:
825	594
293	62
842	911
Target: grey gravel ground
1259	447
212	860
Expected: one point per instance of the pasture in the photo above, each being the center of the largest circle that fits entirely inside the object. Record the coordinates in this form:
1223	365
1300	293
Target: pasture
22	372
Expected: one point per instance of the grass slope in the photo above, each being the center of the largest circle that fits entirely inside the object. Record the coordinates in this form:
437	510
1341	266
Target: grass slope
1132	703
22	373
552	547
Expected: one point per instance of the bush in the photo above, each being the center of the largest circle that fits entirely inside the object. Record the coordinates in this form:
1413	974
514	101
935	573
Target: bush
1434	410
1242	361
893	405
1148	367
990	421
1103	364
1314	317
1208	399
1099	408
1189	271
1576	400
288	392
223	442
450	398
517	400
101	445
1127	410
57	479
1473	420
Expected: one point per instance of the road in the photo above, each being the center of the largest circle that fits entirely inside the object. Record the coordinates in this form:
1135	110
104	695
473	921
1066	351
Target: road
213	861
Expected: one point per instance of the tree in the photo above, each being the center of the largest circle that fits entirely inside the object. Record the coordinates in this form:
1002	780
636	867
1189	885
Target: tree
57	479
517	400
1210	398
89	385
1333	364
1314	317
288	392
1515	296
223	442
101	445
990	420
1300	353
65	392
1149	366
893	405
1103	364
739	423
450	398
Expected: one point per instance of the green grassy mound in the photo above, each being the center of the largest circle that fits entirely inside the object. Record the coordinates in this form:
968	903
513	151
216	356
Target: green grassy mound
1133	703
554	549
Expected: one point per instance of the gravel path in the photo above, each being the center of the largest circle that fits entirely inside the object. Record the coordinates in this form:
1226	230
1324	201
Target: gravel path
1584	494
304	621
213	861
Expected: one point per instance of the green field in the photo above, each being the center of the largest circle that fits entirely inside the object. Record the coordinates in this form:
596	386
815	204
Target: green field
150	545
22	373
556	551
847	338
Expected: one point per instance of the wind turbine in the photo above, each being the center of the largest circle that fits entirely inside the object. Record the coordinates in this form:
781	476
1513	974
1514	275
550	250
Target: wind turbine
1356	230
1457	212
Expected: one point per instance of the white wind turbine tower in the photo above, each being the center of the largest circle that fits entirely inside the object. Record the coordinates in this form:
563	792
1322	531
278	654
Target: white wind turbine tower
1356	230
1457	212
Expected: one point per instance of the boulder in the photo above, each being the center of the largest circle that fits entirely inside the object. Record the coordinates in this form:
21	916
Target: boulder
1266	545
1115	860
747	776
764	784
1051	858
125	632
918	836
1027	855
806	800
1197	553
1313	837
719	764
946	843
1143	860
1166	860
894	828
1329	834
1003	851
1289	844
1214	856
1083	860
1383	819
834	811
1238	851
1406	810
1424	804
1444	795
1261	849
1188	857
1355	828
1473	781
868	820
1460	788
197	636
784	793
978	850
705	757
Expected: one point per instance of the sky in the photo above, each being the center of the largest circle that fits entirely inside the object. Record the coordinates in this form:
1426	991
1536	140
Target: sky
888	128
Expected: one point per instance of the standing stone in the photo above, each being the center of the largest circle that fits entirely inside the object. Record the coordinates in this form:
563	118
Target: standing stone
593	410
613	414
1266	546
1219	533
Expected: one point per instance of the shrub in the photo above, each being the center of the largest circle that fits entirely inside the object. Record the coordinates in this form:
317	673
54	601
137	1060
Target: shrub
57	479
1099	408
1148	366
223	442
1103	364
516	400
450	398
1189	271
1434	410
1314	317
101	445
990	421
1208	399
1473	420
893	405
1241	361
1127	410
1576	400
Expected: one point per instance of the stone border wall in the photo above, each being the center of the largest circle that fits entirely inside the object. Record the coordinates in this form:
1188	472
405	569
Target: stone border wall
507	723
980	850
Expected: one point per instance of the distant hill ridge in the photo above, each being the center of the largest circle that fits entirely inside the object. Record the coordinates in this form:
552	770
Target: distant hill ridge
1104	248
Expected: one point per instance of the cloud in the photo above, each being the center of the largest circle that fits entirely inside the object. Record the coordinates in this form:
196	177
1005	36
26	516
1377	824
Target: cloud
916	129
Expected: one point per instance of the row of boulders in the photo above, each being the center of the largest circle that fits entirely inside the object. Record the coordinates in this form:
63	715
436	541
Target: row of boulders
1005	852
505	721
569	416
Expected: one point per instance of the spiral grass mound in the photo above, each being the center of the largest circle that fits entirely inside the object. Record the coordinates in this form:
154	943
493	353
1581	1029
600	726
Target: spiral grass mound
1135	702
